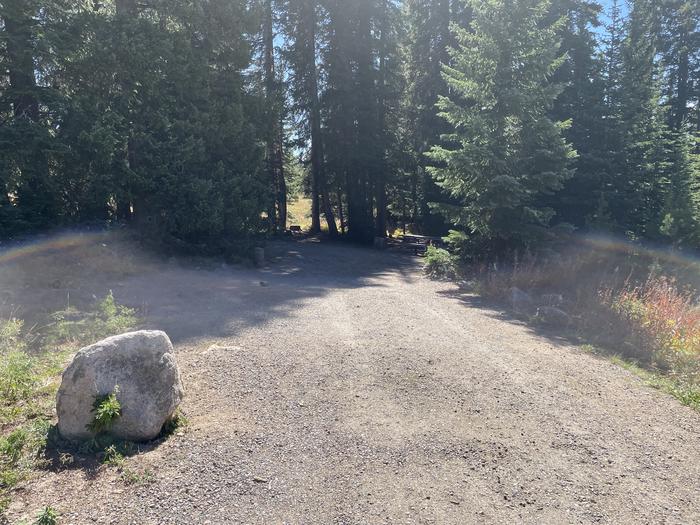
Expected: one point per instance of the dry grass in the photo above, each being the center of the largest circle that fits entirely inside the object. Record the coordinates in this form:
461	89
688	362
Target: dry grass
299	211
630	303
663	321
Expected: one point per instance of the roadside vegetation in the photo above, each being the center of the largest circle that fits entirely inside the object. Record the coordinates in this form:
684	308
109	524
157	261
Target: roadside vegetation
637	306
31	361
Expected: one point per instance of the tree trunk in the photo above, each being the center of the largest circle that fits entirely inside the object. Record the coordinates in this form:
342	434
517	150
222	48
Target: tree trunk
281	181
341	215
269	72
35	197
131	207
680	111
380	183
319	191
360	196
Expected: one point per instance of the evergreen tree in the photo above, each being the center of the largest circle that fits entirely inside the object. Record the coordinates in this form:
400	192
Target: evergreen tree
302	33
425	50
680	48
504	151
24	159
272	113
643	174
582	102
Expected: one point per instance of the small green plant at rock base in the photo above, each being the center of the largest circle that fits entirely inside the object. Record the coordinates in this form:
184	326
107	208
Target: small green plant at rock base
177	423
65	459
47	517
113	457
107	410
132	477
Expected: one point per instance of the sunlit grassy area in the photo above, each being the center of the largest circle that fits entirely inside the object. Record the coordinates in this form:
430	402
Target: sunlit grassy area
686	393
299	212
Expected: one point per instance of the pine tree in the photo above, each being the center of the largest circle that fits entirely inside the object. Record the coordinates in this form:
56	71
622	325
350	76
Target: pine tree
274	117
302	34
680	49
338	101
389	91
25	161
643	172
504	151
426	44
582	102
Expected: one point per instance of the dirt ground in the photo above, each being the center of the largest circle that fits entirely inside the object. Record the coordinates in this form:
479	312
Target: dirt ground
340	386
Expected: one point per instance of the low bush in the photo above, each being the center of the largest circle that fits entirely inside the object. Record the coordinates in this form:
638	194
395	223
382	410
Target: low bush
663	322
440	264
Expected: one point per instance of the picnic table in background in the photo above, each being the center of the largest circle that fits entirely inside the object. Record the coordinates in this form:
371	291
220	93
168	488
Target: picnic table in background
419	243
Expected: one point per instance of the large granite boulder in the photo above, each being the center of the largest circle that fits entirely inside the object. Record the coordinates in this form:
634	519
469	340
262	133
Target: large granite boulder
140	367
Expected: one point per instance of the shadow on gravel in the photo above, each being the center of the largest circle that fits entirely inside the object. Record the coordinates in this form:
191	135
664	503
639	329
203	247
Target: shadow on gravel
190	297
191	302
94	455
556	333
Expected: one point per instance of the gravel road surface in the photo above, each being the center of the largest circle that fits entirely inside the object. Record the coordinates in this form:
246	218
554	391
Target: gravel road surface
340	386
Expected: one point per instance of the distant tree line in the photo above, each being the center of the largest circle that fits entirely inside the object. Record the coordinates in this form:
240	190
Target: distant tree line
505	121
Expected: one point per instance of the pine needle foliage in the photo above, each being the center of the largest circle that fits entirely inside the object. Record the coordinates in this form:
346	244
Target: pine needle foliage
504	151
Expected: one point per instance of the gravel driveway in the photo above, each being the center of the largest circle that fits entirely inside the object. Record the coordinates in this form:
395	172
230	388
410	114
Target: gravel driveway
339	386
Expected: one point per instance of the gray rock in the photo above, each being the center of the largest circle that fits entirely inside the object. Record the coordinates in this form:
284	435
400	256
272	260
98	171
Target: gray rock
142	365
553	316
520	300
553	299
259	257
380	243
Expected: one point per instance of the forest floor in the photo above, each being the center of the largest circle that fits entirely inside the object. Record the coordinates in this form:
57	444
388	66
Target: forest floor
340	385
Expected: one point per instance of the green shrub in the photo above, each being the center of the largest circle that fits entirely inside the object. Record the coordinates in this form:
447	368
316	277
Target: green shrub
76	327
21	450
17	376
11	336
662	322
47	517
113	457
440	263
107	410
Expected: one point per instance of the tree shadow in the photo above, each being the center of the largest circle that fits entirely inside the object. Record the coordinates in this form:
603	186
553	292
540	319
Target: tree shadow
558	333
189	297
91	456
190	300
